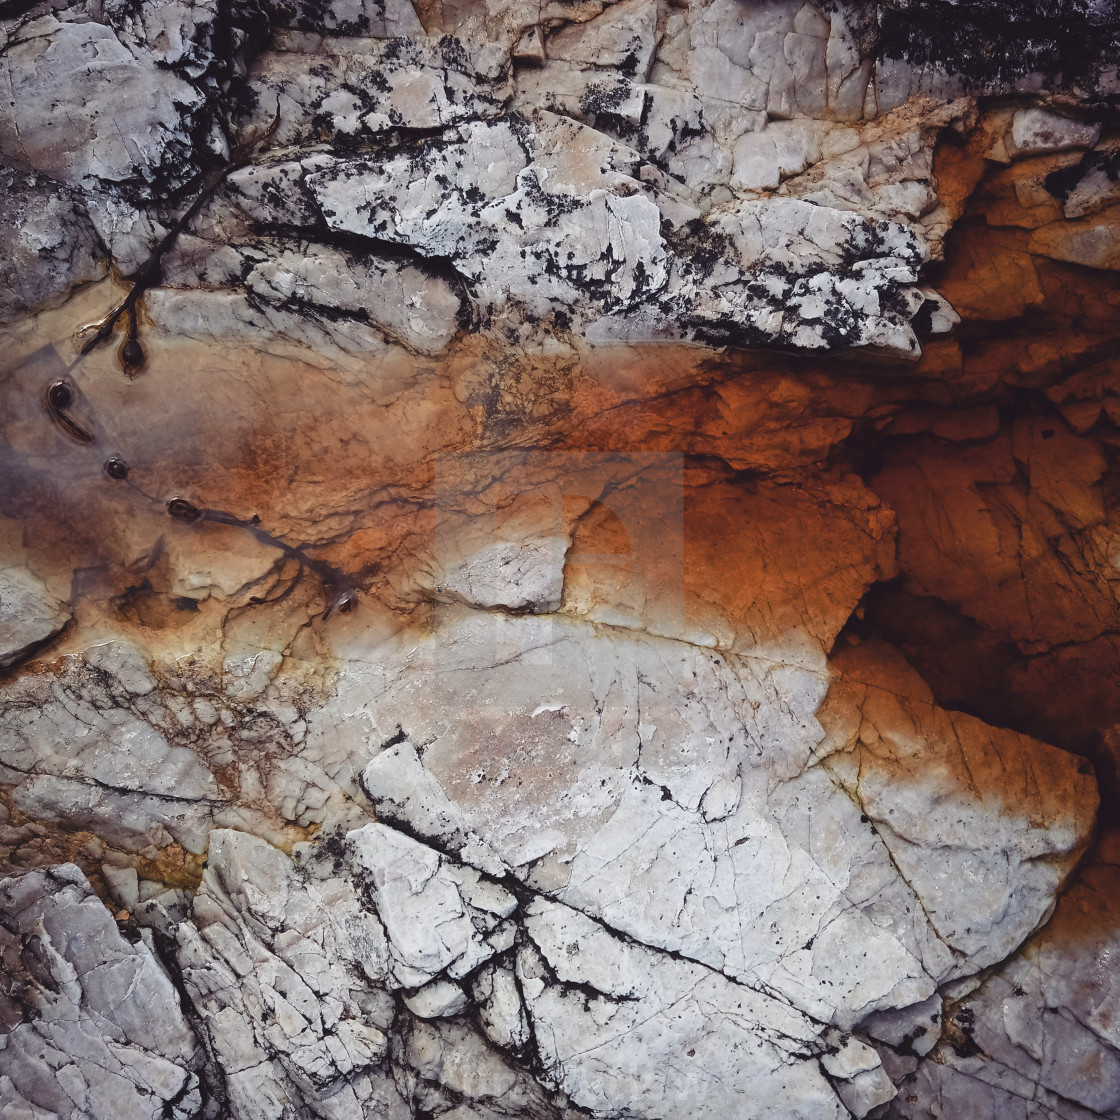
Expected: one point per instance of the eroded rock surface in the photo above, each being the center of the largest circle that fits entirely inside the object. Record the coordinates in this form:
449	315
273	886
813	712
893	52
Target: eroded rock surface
92	1023
581	580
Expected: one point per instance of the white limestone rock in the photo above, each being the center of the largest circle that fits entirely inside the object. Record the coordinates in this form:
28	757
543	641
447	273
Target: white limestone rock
98	743
47	244
784	148
437	1000
984	871
433	919
268	967
605	225
283	961
63	734
501	1011
1037	131
29	615
623	38
127	231
661	817
92	1027
857	1073
411	83
87	108
1040	1036
517	565
419	309
613	871
620	1028
659	122
291	970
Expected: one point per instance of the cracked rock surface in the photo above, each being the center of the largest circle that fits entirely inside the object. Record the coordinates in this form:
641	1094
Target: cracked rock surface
559	560
93	1024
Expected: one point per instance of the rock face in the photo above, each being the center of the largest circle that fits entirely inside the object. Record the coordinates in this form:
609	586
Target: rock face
31	615
575	570
93	1025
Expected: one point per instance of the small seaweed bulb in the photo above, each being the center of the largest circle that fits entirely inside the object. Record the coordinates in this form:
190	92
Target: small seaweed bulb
131	356
182	510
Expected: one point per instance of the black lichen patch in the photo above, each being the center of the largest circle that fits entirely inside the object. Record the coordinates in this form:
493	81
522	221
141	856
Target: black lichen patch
318	17
1062	183
962	1025
992	45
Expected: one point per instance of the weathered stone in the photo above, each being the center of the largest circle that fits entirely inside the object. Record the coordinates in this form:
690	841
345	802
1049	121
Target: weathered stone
1093	242
1035	131
1043	1026
481	567
87	109
47	244
30	615
92	1024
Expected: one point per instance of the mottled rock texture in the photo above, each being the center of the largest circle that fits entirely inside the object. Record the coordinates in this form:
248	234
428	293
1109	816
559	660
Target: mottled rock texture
559	560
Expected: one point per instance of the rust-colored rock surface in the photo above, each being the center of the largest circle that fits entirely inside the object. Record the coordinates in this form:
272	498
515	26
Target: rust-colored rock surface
558	561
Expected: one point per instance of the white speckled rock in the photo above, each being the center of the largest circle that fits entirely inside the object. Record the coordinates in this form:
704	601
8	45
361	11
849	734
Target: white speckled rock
1035	131
89	110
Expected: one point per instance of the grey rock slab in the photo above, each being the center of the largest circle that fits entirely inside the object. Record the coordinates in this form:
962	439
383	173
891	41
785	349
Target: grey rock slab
92	1025
133	821
66	736
290	968
47	243
856	1072
84	108
270	965
29	615
408	303
437	1000
404	83
1043	1031
620	1027
1037	131
622	38
432	919
690	813
290	965
984	825
123	884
